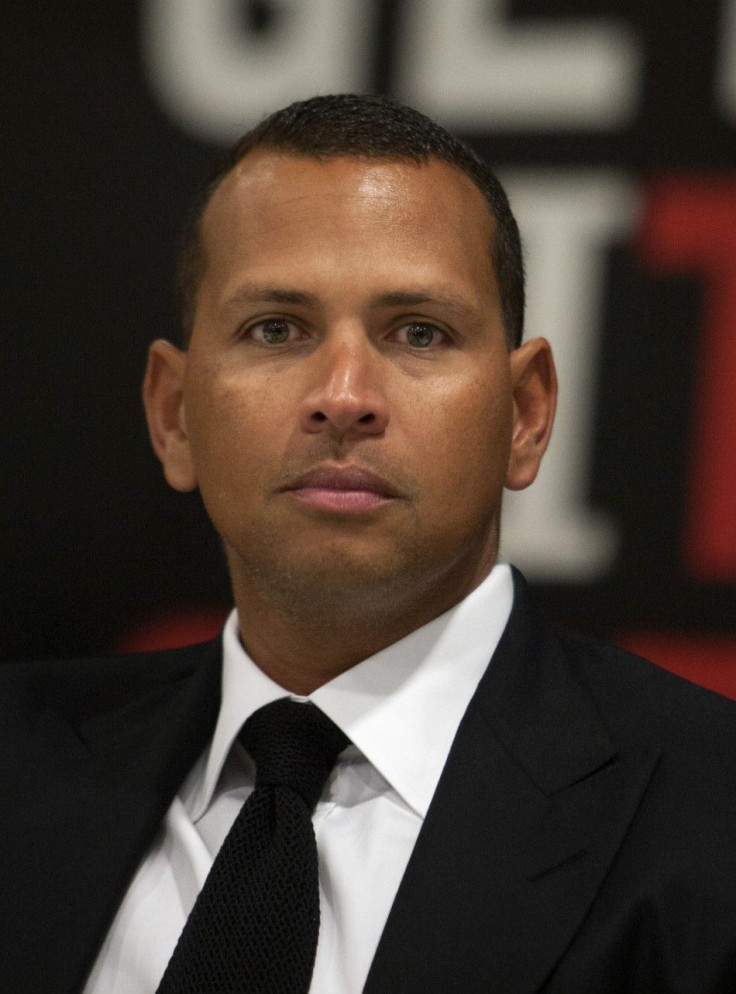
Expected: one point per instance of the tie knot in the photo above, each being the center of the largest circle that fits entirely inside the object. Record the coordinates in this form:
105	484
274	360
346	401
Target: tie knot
293	745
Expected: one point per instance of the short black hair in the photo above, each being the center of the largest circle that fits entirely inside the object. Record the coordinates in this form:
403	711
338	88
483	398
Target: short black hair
365	127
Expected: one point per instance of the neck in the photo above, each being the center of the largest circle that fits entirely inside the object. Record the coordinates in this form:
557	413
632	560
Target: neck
304	644
301	660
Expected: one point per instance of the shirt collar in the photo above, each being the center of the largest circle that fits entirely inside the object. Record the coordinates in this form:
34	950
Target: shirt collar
401	707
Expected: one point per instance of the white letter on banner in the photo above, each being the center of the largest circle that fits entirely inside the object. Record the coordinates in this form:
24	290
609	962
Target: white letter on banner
216	79
568	220
465	66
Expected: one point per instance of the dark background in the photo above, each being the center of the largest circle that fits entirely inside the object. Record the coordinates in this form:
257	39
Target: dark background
97	553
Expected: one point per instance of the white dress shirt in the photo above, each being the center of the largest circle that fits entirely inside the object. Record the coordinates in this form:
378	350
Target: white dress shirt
400	709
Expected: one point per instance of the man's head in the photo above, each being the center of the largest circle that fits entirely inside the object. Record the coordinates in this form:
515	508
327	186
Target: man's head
348	404
366	127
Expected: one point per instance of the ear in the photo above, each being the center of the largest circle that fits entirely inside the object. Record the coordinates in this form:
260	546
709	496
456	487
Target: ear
163	399
534	385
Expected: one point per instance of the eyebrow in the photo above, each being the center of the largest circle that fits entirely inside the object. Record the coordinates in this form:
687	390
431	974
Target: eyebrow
250	294
404	298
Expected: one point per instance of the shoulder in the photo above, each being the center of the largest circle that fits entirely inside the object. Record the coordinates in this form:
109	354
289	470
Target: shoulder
633	696
629	689
585	687
692	729
82	688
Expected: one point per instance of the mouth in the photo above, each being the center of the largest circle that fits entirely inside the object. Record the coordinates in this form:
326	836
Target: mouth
342	490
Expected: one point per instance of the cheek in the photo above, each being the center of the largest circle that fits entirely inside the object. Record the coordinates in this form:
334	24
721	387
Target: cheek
226	427
473	436
466	459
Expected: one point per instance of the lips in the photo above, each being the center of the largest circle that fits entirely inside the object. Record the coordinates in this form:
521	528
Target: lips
342	489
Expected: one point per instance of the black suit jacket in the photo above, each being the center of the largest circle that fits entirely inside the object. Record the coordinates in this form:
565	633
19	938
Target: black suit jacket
582	837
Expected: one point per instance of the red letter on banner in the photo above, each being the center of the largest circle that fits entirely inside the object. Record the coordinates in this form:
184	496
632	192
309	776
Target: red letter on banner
690	226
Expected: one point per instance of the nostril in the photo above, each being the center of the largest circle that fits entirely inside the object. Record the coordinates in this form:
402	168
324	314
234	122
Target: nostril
343	417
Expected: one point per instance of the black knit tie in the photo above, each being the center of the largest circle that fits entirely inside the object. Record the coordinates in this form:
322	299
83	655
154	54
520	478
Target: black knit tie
254	926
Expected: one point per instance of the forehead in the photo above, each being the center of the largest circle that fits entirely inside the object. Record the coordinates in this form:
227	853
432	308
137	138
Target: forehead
274	206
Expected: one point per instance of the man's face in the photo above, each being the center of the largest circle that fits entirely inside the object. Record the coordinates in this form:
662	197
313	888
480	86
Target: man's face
347	404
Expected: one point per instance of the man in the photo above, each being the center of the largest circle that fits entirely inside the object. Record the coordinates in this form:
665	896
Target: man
508	811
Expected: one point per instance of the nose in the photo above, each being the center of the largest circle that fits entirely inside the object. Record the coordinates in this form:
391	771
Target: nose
346	394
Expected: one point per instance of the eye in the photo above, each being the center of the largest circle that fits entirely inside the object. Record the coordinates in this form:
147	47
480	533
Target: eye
274	331
421	335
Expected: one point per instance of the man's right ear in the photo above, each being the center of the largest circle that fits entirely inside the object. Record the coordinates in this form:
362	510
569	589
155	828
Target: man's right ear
163	399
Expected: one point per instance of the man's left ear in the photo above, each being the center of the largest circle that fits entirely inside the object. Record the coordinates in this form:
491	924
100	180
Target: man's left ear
534	385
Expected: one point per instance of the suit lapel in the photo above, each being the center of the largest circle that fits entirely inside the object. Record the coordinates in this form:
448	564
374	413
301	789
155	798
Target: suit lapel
530	810
91	794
